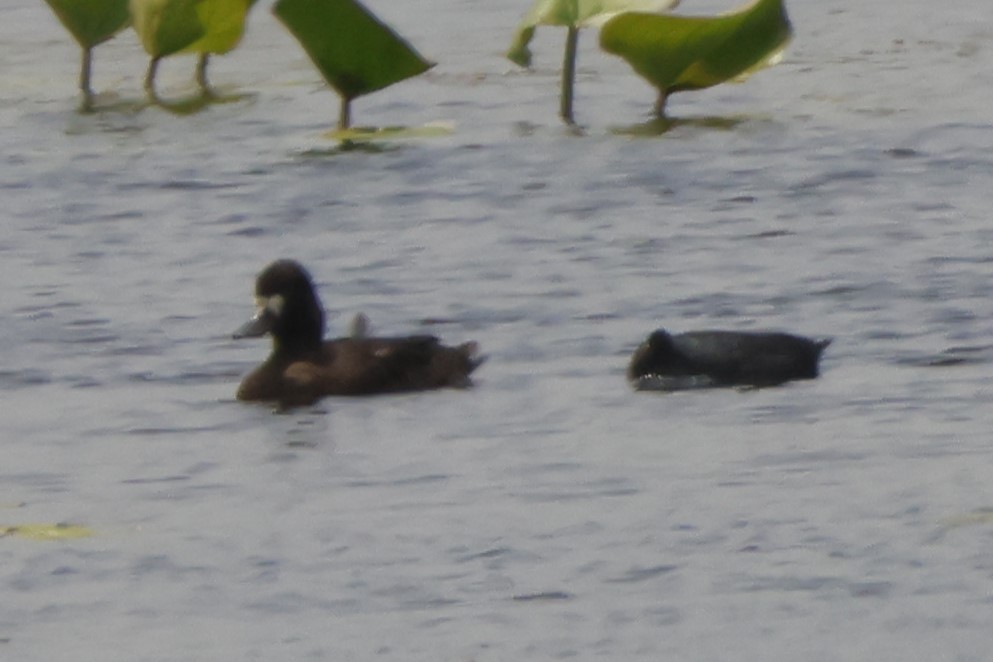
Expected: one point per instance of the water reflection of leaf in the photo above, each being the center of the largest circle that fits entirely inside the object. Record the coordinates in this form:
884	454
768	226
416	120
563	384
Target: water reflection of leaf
660	126
196	103
369	134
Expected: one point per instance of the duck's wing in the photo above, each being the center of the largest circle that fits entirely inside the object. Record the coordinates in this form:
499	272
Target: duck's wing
751	358
365	366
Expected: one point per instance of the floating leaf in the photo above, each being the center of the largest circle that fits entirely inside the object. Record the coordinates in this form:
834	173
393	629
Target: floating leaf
166	26
223	23
46	531
91	22
200	26
677	53
353	50
572	14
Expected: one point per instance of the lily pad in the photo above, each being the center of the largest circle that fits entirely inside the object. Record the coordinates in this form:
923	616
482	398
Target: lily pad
572	13
166	26
354	51
223	23
206	27
678	53
92	22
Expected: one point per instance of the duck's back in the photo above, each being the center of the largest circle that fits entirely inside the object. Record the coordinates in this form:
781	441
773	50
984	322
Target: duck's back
752	358
364	366
357	365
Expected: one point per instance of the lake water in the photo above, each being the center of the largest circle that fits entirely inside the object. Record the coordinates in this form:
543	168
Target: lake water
550	512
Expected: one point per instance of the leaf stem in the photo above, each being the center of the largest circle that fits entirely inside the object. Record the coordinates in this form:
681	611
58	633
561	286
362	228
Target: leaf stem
345	115
153	67
660	102
201	75
569	75
84	78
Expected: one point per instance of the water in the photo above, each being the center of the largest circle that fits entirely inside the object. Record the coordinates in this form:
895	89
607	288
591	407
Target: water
550	512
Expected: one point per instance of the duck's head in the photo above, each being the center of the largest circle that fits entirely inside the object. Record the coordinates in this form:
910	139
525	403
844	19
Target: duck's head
286	307
652	355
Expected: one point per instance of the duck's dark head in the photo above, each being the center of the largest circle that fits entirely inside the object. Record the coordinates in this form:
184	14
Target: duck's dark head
287	308
652	356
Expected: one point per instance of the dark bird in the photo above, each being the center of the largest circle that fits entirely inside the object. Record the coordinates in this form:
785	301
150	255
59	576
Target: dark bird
699	359
303	367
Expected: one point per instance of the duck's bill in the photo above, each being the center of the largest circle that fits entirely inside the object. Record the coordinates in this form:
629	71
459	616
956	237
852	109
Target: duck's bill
259	325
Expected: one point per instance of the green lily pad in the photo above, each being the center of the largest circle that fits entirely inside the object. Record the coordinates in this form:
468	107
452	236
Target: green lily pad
677	53
223	23
92	22
572	14
167	26
354	51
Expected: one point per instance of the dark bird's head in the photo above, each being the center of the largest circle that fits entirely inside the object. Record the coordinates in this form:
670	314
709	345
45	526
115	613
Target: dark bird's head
653	356
287	308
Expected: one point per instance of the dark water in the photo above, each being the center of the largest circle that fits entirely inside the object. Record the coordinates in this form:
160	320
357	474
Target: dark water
551	512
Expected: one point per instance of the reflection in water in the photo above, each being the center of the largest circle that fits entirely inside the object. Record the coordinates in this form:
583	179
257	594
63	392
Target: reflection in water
660	126
112	102
301	428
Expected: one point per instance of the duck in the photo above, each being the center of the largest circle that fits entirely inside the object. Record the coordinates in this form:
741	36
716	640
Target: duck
717	358
303	367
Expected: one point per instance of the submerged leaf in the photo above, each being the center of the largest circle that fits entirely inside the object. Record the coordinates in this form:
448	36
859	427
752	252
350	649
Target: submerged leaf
166	26
353	50
572	13
91	22
676	53
46	531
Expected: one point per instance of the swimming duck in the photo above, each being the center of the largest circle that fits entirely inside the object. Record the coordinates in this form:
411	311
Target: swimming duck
698	359
303	367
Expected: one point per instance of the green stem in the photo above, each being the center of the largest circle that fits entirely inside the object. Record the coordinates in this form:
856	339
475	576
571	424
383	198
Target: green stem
345	116
153	67
201	74
569	75
660	104
84	78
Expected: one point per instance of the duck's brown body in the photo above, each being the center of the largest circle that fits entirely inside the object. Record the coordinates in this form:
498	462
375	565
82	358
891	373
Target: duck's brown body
304	368
360	366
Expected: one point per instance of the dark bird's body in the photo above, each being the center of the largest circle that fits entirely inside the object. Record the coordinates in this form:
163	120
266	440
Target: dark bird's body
699	359
303	367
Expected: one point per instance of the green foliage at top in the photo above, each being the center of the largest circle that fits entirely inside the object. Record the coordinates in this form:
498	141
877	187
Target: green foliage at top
573	14
676	53
166	26
196	26
91	22
223	22
354	51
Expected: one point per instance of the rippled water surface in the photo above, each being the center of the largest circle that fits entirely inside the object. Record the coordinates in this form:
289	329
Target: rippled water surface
550	512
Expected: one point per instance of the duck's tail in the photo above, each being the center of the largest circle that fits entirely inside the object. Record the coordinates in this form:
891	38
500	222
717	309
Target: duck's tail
473	359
